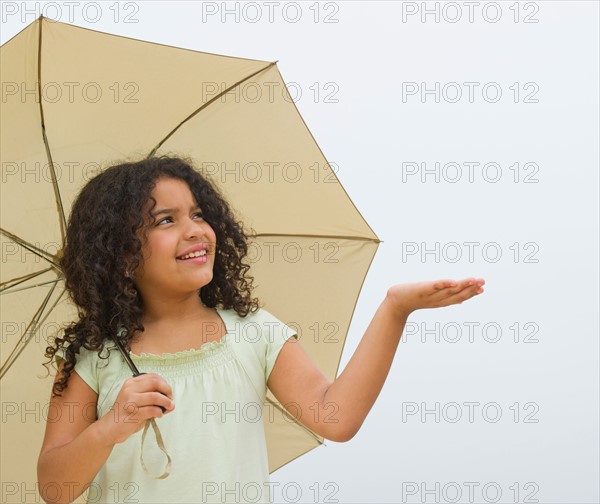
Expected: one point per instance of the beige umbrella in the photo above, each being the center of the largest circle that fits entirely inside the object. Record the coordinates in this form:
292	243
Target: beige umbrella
74	100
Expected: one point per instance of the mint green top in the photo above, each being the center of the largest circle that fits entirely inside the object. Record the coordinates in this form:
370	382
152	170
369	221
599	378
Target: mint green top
215	435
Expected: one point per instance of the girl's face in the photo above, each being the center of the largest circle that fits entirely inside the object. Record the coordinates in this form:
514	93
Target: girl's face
179	227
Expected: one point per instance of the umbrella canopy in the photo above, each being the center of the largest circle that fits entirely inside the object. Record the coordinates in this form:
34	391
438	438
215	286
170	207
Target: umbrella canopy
75	100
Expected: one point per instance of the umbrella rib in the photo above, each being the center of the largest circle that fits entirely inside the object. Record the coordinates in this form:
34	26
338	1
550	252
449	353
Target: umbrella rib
340	237
6	291
9	284
299	424
59	205
322	154
32	248
26	337
353	310
153	151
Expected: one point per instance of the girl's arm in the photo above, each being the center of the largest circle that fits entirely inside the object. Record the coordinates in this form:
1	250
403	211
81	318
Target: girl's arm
75	446
336	410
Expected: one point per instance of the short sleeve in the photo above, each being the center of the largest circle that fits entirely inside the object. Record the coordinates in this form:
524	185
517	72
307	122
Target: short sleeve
85	365
276	333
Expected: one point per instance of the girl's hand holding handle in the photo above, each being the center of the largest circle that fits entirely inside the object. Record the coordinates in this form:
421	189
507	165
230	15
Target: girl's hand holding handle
140	398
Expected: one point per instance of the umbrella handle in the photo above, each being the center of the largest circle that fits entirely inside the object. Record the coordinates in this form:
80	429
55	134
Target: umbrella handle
138	374
132	366
149	422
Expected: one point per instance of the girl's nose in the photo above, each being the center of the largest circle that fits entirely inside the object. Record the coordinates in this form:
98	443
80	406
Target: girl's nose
192	231
194	228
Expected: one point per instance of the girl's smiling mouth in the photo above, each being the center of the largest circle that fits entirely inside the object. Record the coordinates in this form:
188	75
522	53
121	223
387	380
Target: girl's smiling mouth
196	253
198	257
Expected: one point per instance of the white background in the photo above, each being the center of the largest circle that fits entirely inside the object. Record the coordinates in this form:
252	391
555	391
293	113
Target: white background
549	452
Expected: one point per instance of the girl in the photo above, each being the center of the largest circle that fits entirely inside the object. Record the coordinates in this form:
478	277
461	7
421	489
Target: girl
154	260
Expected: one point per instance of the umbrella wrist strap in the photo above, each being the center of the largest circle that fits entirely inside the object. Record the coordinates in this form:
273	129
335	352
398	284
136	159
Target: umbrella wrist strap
161	445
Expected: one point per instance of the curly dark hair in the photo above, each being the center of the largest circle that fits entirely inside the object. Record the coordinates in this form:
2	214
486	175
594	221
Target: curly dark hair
101	246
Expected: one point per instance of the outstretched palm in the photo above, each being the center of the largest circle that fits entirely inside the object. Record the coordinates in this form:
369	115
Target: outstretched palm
409	297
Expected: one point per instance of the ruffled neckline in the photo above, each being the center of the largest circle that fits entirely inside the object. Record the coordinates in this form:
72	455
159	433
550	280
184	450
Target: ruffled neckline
208	348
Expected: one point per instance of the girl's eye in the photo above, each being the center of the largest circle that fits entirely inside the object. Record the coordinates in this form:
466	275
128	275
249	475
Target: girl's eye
197	213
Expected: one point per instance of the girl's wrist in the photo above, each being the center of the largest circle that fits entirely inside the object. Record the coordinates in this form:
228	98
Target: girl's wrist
400	312
102	433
